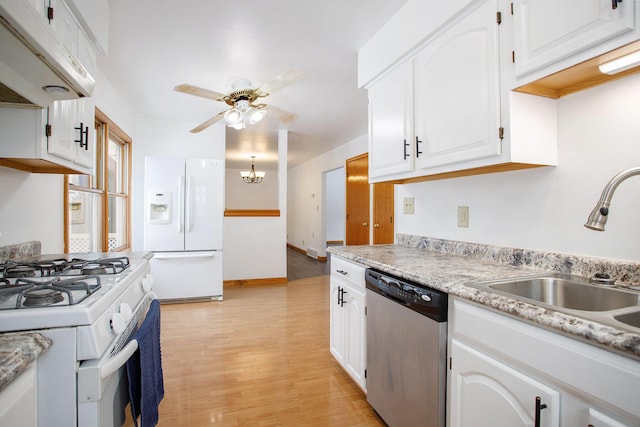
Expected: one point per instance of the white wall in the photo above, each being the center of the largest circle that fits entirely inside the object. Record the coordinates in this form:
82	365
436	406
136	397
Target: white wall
545	209
31	208
240	195
255	247
304	227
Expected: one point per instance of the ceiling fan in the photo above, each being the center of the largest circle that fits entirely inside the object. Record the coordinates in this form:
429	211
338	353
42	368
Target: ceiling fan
242	99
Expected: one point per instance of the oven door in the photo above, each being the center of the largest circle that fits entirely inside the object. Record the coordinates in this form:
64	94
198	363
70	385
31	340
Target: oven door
103	388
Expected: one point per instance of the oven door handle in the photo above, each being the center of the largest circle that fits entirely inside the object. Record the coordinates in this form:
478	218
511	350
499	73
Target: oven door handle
118	360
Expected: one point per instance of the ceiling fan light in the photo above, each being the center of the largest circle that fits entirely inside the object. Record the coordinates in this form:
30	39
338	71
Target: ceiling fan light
257	114
233	116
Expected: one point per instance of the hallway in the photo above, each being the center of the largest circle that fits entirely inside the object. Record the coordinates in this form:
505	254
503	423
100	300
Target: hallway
300	266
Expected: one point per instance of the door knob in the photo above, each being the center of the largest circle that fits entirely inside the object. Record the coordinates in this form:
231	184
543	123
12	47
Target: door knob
376	225
365	224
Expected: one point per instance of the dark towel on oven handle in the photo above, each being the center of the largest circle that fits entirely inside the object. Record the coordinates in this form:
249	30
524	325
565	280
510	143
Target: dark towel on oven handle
144	370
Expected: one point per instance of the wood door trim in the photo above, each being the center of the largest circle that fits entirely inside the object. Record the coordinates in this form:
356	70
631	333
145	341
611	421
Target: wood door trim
252	212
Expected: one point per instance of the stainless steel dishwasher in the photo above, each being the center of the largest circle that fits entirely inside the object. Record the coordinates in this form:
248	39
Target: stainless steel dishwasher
406	351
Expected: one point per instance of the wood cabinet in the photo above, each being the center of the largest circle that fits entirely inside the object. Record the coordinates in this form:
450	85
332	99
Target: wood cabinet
59	139
445	109
551	35
500	365
347	317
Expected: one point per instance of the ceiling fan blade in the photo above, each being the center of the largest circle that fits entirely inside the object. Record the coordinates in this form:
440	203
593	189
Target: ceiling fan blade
284	79
198	91
281	115
208	123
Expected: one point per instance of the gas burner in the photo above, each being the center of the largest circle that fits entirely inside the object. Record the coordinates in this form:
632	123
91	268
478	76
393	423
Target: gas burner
97	266
42	296
93	268
15	269
54	292
19	271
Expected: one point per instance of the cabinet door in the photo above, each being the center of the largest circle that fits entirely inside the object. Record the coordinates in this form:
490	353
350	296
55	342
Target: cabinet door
457	92
486	392
85	123
355	334
337	319
65	26
547	31
391	124
598	419
62	137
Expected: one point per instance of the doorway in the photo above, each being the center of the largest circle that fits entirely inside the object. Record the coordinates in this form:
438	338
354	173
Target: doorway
360	230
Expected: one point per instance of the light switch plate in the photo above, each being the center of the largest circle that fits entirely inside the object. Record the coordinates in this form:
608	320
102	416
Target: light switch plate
463	216
408	205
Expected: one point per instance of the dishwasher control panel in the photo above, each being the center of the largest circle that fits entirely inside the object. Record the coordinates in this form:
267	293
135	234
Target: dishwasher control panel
417	297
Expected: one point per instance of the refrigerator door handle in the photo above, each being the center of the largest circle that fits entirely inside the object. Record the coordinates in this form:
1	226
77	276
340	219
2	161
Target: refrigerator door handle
188	205
183	255
180	204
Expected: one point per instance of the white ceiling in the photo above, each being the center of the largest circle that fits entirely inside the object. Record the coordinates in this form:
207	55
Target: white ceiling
156	45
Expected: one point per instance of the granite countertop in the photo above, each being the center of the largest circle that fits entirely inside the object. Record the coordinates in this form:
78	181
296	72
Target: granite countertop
449	266
18	350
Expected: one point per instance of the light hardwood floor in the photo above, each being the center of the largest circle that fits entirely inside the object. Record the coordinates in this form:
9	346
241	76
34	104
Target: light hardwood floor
258	358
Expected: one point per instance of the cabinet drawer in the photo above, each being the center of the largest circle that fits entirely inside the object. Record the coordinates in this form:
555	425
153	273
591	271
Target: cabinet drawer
347	271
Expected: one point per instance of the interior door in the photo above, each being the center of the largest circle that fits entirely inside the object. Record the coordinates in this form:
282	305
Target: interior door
357	223
383	209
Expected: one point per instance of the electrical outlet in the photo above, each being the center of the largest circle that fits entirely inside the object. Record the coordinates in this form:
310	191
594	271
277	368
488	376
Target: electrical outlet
408	205
463	216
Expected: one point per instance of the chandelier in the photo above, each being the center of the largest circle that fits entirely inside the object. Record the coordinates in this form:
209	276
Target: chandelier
252	177
244	113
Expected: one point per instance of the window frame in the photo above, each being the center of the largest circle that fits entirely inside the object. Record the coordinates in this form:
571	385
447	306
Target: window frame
105	129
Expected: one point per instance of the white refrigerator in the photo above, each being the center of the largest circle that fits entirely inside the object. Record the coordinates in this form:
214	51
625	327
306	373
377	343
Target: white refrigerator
184	210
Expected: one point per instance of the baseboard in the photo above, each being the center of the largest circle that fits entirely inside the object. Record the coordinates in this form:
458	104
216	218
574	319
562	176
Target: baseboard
335	242
297	249
267	281
304	252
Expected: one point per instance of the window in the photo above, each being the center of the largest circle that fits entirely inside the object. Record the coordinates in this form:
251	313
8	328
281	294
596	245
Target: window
97	218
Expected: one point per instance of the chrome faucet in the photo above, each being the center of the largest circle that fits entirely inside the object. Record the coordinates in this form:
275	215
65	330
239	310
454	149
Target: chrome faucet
598	217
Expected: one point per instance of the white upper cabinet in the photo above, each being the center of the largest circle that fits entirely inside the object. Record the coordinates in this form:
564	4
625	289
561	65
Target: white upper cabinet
71	131
391	137
551	35
457	92
59	139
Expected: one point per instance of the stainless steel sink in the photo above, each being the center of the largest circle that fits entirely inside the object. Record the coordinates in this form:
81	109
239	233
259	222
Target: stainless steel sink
573	295
631	319
569	293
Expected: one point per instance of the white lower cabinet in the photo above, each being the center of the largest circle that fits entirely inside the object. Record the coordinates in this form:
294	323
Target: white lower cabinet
500	366
18	400
347	318
486	392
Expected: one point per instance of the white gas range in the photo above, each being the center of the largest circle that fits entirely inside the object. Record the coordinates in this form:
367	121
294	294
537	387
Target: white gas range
89	307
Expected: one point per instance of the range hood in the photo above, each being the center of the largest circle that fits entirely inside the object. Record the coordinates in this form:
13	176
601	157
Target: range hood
36	69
